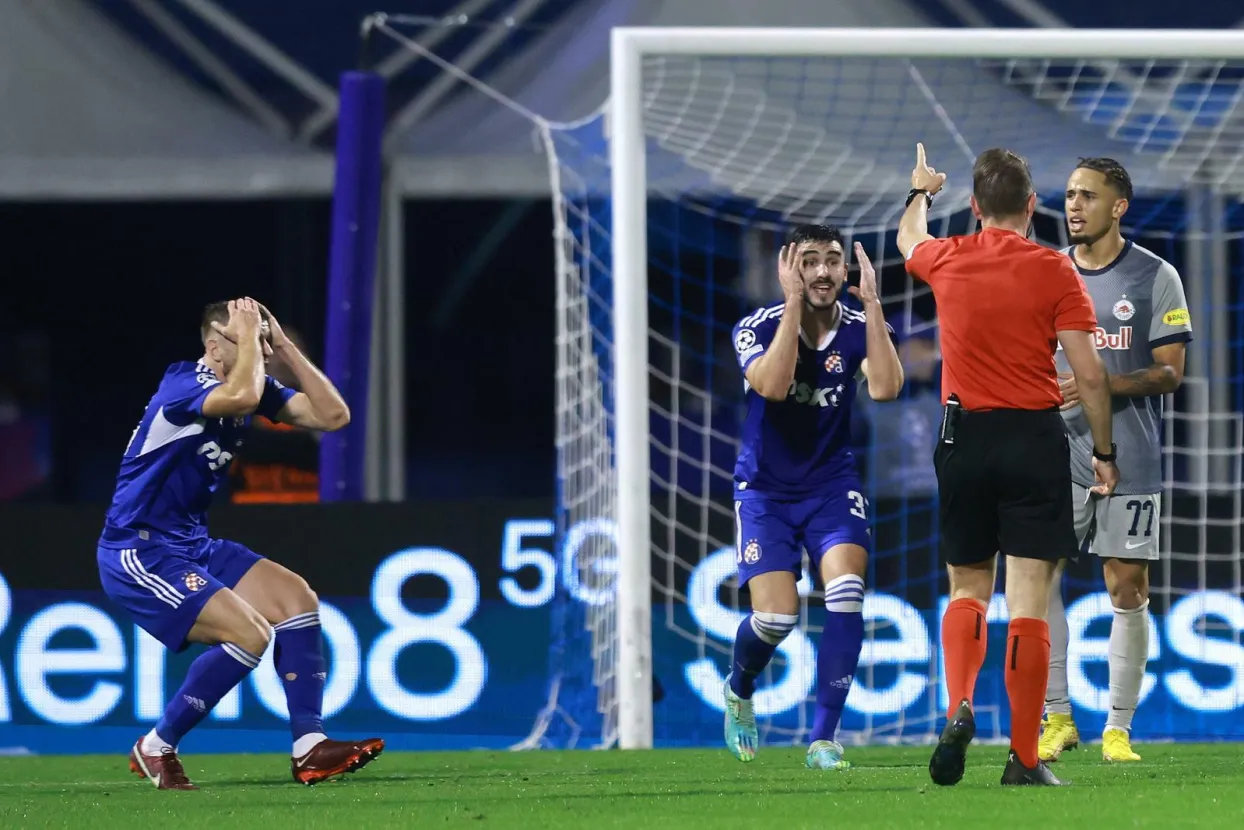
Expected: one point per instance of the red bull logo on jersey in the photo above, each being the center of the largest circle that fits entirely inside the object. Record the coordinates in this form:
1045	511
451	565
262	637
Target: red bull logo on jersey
1115	341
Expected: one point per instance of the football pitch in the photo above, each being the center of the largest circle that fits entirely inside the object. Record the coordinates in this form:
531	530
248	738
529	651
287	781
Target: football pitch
1177	785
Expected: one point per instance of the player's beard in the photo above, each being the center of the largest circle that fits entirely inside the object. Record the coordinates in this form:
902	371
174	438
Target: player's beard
819	304
1086	238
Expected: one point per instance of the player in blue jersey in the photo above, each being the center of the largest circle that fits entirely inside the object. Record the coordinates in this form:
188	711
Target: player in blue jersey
181	586
796	484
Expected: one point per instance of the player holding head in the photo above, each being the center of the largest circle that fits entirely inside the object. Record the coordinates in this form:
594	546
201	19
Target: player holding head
157	561
796	484
1142	336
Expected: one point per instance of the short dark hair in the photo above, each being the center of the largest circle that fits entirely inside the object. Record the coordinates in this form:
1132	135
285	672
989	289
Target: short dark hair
1115	174
1001	183
816	233
213	313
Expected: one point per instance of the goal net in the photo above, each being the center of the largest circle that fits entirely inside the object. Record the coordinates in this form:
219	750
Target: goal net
736	142
670	205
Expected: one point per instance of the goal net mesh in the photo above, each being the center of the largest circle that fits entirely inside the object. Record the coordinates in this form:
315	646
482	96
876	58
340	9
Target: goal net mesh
738	149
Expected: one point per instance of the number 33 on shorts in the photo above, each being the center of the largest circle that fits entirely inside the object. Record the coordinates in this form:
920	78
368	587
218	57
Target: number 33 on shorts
772	534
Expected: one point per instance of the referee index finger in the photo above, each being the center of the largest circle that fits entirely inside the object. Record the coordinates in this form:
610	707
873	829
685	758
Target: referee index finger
920	164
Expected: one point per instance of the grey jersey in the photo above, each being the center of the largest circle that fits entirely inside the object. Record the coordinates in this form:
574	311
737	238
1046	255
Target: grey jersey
1140	305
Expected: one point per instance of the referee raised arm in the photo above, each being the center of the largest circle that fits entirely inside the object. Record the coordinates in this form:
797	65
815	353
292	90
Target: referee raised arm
1002	459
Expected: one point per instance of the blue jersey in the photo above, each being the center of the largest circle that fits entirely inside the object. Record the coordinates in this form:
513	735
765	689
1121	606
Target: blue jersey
176	459
794	447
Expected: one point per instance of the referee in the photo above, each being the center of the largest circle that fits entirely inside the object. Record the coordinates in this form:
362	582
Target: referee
1002	459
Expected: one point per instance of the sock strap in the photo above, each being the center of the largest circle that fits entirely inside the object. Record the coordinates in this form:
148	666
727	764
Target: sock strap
308	620
240	654
845	594
773	628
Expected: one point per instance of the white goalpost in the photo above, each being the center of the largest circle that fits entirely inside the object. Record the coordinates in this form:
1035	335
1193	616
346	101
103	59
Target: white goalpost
767	126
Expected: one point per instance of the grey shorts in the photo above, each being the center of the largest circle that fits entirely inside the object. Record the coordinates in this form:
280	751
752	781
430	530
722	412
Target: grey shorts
1118	527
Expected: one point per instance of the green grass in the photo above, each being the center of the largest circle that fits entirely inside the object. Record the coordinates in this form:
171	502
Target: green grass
1175	786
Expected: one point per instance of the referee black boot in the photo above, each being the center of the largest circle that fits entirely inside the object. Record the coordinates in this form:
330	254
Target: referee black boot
950	754
1016	774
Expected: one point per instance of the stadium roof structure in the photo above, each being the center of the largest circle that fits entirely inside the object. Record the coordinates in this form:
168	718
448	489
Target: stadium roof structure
91	115
111	99
471	144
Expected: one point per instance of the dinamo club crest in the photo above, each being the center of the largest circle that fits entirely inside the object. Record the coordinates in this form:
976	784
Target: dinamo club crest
751	553
194	582
833	363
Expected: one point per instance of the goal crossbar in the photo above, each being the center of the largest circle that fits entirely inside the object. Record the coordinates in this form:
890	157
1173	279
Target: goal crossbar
1089	44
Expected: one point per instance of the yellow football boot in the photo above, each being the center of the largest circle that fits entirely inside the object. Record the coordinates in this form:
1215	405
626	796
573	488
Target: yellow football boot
1116	746
1058	734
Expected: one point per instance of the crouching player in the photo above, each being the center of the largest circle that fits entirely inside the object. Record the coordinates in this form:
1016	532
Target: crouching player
157	561
796	483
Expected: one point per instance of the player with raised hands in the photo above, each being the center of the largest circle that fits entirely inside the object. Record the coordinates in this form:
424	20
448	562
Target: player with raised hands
1002	458
796	484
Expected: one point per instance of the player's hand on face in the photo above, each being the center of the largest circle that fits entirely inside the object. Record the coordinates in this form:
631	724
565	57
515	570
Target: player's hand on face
1107	475
789	273
867	290
1071	392
924	177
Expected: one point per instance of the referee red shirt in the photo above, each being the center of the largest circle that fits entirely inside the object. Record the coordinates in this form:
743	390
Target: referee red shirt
1000	301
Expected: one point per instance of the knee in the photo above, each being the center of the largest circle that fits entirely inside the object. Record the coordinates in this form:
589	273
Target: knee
302	597
1128	595
773	628
974	583
253	633
296	597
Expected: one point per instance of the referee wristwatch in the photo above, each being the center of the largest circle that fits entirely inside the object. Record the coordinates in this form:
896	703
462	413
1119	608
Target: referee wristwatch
1106	456
915	191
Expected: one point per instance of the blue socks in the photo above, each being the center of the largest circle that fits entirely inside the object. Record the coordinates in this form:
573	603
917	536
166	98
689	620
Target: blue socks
757	639
298	653
299	658
837	658
839	653
210	678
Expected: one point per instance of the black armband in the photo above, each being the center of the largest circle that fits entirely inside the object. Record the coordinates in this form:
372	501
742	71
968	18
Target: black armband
1110	456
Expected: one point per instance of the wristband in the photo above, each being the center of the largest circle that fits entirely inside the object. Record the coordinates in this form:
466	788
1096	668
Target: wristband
913	194
1110	456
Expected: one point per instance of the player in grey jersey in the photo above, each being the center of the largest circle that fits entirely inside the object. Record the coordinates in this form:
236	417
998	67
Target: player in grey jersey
1143	330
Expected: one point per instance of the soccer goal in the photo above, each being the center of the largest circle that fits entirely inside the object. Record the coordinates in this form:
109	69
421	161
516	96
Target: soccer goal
670	206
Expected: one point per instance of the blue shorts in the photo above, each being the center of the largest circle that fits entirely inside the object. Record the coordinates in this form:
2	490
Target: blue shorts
771	534
165	588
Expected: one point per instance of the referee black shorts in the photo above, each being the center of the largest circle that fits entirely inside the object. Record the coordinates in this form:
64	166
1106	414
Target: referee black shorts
1005	487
